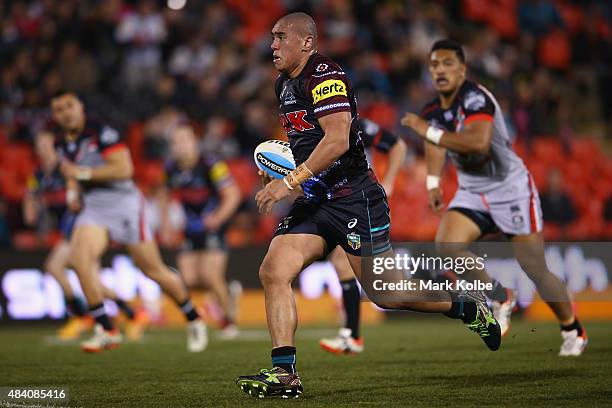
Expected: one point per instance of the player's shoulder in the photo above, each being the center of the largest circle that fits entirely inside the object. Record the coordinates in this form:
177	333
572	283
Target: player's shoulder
105	133
431	108
321	66
474	96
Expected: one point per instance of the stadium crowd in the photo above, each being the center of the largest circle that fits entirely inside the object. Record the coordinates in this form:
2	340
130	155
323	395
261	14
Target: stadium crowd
145	68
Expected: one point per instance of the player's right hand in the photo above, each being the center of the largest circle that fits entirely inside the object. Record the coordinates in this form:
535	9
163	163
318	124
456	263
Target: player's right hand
435	200
265	178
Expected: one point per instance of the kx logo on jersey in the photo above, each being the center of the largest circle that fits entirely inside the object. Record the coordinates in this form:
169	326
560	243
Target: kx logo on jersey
294	121
327	89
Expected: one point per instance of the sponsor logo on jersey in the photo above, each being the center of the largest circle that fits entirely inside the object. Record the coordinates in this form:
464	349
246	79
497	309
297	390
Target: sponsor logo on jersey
327	89
219	171
448	115
295	121
354	240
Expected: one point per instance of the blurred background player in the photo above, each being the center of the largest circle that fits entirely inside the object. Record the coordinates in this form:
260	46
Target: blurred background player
209	196
348	339
45	203
96	160
496	191
44	206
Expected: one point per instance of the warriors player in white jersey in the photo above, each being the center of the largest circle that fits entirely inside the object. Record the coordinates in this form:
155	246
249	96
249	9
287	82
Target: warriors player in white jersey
495	191
96	161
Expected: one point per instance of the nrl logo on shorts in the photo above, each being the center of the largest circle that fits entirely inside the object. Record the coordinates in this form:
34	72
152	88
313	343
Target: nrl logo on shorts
354	240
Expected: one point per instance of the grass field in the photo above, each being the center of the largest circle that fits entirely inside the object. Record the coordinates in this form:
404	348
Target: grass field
412	362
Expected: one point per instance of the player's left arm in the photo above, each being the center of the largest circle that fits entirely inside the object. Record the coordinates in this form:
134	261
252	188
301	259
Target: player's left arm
397	155
474	138
229	194
117	166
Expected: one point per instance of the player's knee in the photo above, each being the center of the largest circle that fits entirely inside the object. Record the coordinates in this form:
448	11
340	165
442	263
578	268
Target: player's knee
270	273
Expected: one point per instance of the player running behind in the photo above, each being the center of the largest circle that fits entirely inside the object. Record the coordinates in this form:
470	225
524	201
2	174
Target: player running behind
209	196
495	190
348	339
47	194
94	158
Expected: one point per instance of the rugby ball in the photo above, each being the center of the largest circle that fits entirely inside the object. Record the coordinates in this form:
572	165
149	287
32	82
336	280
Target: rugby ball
274	157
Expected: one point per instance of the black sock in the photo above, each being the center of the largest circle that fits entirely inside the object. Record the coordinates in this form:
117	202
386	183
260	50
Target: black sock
99	314
499	293
125	308
574	326
76	306
189	310
351	297
460	309
284	357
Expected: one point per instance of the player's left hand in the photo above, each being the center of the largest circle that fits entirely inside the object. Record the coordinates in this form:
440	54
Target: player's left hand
272	193
416	123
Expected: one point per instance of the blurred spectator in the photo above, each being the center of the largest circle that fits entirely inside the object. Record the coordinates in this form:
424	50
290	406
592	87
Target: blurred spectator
142	31
557	205
538	16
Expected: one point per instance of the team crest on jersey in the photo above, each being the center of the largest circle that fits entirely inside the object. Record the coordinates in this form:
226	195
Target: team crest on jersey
289	99
474	100
321	67
354	240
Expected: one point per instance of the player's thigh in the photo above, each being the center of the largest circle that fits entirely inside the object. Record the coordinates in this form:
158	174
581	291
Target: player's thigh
341	263
88	243
187	263
288	254
456	227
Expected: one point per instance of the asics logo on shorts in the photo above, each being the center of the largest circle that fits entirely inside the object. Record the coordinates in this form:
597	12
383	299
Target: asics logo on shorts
352	223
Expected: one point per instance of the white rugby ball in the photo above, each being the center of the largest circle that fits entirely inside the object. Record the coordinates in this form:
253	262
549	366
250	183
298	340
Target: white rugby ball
274	157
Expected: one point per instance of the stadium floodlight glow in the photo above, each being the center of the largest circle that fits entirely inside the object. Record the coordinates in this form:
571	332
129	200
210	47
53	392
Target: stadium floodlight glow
176	4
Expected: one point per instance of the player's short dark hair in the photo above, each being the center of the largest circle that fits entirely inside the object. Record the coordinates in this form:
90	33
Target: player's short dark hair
449	45
62	92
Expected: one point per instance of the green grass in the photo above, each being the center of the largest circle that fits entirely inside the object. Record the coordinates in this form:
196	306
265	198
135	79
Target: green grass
412	362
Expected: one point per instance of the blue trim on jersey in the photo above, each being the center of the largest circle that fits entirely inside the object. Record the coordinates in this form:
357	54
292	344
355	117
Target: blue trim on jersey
380	228
369	222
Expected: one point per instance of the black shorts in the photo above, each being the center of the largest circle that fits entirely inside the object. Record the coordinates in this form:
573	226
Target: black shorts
359	223
205	241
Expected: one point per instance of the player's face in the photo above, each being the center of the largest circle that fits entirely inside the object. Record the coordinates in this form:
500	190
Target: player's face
44	147
286	47
184	143
68	111
447	71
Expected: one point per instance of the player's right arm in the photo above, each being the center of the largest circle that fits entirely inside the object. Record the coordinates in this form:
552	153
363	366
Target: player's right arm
435	157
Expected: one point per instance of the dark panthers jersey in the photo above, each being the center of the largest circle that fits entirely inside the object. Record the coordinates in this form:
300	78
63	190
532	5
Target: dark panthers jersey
51	188
322	88
477	172
198	188
90	148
